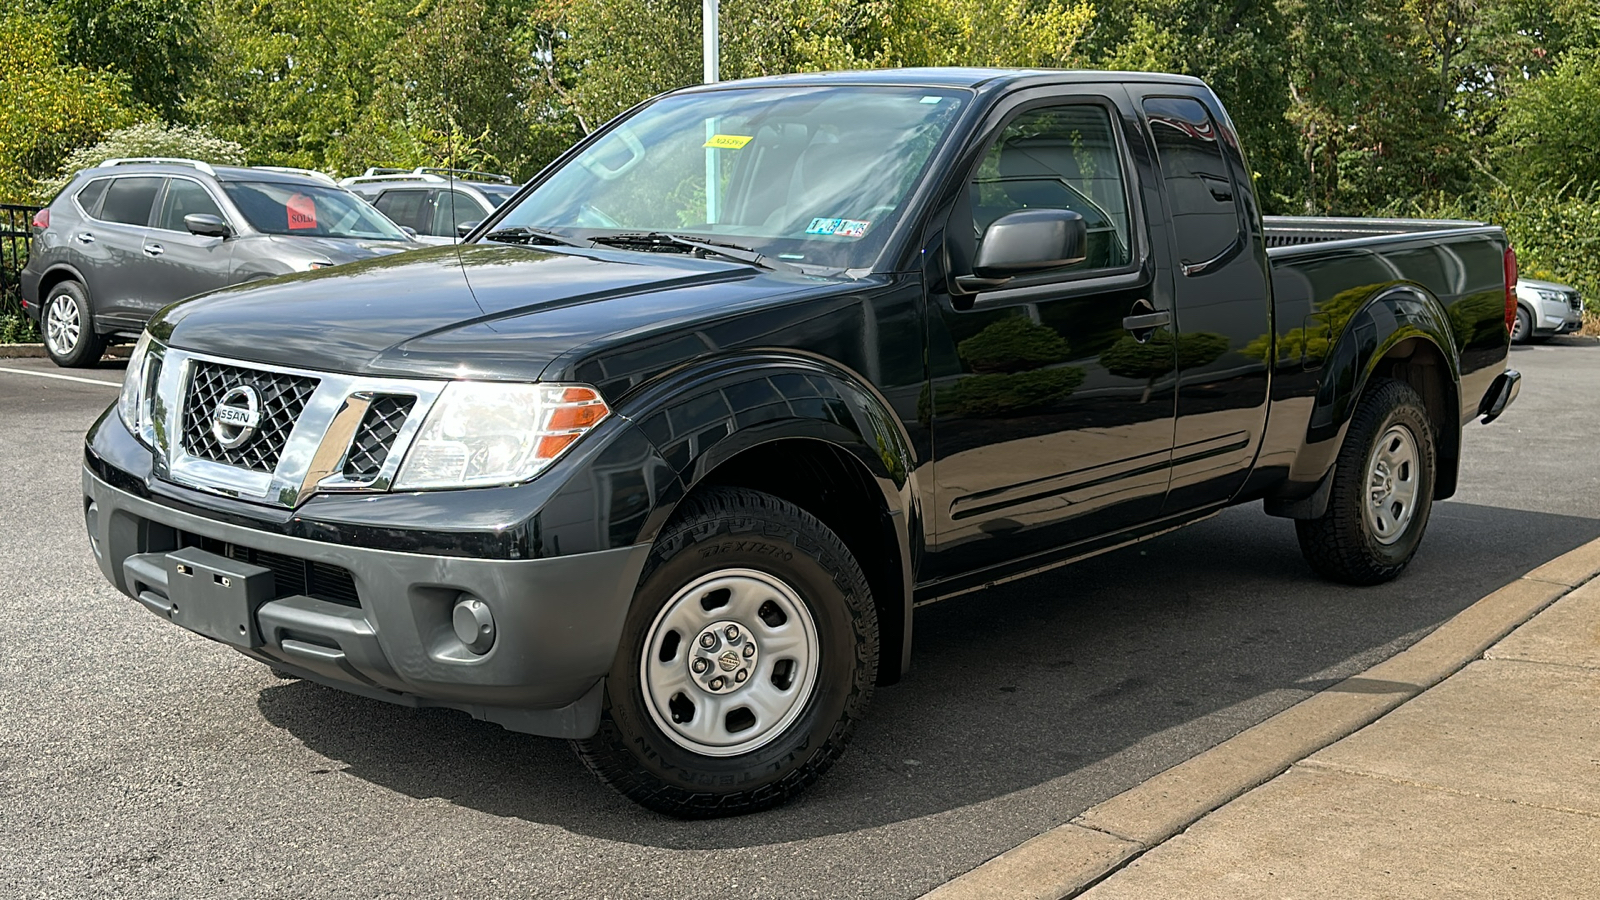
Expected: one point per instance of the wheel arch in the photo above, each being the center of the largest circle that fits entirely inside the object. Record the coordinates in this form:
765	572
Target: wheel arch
811	432
1404	332
56	274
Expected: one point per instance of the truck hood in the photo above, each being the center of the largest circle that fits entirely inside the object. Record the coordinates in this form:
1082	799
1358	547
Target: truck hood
490	311
337	250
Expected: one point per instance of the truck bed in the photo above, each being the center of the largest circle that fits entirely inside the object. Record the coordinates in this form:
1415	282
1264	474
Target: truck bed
1284	233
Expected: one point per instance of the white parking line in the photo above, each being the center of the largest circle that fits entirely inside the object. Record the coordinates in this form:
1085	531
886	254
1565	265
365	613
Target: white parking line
115	384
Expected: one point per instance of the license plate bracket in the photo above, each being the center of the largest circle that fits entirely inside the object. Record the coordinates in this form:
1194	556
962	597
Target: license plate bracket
217	597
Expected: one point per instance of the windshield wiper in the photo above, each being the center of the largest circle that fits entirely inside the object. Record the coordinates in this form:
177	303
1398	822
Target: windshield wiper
522	234
661	240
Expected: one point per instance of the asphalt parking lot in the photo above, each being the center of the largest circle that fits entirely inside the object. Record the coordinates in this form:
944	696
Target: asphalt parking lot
138	760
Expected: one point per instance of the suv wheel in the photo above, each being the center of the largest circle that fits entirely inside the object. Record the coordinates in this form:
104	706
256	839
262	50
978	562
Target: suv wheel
69	335
747	658
1522	326
1382	490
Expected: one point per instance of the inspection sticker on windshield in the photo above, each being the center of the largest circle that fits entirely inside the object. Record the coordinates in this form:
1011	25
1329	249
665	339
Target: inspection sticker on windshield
729	141
838	227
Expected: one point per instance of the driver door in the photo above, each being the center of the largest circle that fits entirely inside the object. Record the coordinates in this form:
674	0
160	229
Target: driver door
1052	422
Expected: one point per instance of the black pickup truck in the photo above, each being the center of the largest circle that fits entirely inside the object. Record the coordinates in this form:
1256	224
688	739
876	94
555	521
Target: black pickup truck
664	456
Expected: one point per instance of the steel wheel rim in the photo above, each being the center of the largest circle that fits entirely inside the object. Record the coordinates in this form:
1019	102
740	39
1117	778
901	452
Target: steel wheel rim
1393	482
735	716
62	326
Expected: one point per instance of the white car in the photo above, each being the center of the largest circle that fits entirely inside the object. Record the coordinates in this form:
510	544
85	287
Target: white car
1544	309
433	204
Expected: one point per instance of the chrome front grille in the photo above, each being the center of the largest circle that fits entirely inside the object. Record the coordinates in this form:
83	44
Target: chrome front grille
314	432
379	427
283	397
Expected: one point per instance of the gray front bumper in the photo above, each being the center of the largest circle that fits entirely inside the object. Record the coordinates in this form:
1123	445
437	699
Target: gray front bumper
558	620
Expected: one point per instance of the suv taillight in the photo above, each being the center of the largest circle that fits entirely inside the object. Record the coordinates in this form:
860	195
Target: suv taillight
1511	287
41	219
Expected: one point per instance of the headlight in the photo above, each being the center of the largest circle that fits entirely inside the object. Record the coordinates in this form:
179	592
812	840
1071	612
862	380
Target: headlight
136	403
482	433
1552	296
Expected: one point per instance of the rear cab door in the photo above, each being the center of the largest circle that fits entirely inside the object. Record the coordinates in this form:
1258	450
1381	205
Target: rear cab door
1052	422
1221	291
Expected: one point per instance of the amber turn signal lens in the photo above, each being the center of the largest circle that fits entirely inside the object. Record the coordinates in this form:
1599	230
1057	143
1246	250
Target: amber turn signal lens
567	418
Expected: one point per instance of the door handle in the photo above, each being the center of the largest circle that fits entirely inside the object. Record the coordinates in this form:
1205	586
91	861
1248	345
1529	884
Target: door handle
1143	320
85	238
154	250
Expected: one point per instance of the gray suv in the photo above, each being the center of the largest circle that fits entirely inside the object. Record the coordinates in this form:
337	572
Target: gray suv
130	236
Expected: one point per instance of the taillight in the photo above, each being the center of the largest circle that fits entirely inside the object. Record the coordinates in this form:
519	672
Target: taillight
1511	287
41	219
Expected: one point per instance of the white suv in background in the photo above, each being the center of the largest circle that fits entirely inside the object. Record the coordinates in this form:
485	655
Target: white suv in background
1545	309
432	203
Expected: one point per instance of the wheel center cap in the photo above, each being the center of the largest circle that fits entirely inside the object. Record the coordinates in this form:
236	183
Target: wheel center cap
724	657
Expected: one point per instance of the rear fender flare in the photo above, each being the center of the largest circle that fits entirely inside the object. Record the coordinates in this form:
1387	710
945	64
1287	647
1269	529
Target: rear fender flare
1394	314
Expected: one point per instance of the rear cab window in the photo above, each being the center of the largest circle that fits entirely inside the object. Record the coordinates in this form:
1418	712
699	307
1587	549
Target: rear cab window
89	195
1195	177
128	201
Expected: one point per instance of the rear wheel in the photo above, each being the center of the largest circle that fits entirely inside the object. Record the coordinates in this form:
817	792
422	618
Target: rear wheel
1382	490
747	658
68	325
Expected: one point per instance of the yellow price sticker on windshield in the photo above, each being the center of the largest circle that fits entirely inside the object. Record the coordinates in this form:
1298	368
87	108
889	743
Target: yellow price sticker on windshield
729	141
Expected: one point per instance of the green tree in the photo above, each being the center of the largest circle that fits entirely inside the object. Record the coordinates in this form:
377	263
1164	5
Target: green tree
289	79
154	44
1546	139
48	106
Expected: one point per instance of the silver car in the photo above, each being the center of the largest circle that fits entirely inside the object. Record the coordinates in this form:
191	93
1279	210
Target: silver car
130	236
437	204
1544	309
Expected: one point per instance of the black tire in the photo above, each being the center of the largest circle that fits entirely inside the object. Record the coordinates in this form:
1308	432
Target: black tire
88	346
1344	544
1522	326
723	529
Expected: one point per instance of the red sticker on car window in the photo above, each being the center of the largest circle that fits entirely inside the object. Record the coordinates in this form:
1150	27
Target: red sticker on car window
302	212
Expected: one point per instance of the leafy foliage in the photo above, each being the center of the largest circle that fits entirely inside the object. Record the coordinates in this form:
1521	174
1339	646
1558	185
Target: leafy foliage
48	106
149	139
155	44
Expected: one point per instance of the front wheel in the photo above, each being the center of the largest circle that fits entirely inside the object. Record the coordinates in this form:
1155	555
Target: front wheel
748	656
1382	490
1522	326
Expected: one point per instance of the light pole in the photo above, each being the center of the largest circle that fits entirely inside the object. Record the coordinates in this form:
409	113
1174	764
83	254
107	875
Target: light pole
709	10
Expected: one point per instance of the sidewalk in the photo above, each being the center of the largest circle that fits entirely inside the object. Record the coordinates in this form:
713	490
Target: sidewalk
1487	785
1467	765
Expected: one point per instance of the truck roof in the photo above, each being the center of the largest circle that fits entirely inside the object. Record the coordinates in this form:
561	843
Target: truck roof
951	77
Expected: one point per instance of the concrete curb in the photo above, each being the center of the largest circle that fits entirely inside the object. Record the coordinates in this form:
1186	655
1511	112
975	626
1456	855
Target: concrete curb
36	351
1070	858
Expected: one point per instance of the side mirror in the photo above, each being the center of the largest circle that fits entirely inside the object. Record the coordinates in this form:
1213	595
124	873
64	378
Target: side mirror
410	232
1028	240
465	228
206	225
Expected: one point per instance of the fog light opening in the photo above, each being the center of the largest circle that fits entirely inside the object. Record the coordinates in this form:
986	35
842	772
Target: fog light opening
473	624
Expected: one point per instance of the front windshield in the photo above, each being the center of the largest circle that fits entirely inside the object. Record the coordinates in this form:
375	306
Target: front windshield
275	207
809	175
